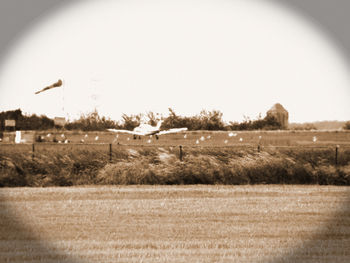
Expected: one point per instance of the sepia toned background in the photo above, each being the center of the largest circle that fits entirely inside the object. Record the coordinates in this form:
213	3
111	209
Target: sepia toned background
17	16
306	66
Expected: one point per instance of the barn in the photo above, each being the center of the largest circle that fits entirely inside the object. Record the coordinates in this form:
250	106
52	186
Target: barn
280	113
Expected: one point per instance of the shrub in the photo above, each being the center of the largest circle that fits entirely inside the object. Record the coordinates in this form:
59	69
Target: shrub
347	125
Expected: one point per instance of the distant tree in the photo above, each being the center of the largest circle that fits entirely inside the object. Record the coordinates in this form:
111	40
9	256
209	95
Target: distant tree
206	120
152	118
130	121
91	122
174	121
26	122
9	115
211	120
347	125
268	123
271	123
34	122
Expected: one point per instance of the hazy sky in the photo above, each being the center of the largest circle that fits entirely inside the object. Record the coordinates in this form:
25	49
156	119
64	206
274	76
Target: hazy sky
236	56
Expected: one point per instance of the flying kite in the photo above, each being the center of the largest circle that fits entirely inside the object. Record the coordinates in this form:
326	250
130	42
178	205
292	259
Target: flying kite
55	85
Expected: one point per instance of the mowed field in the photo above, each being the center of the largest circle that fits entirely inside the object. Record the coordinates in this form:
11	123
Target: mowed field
208	138
261	223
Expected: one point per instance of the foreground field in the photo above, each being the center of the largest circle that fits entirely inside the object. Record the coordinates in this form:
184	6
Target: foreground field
175	224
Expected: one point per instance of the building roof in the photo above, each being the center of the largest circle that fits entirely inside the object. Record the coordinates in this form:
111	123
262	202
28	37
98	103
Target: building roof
277	108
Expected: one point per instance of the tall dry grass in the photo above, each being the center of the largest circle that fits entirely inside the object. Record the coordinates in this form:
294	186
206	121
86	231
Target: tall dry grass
161	165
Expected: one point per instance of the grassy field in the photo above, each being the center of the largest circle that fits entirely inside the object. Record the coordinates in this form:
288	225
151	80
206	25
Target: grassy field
207	138
175	224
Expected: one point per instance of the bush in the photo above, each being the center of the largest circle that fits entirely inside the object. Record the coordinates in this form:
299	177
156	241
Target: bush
91	122
347	125
268	123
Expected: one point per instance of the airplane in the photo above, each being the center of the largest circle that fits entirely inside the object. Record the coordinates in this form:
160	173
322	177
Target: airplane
147	130
55	85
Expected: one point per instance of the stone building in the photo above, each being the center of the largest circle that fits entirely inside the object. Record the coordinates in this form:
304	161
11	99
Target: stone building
280	113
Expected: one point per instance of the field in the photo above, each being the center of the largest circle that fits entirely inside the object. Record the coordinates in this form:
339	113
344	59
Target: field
209	138
202	217
175	224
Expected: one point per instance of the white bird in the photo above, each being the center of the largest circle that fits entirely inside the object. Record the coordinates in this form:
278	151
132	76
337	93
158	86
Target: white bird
82	140
149	141
208	137
259	137
202	138
96	138
128	139
314	139
65	141
226	141
86	135
241	139
48	135
185	136
232	134
197	142
62	135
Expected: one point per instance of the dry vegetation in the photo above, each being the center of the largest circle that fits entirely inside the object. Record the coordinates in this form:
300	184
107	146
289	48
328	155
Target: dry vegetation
68	164
175	224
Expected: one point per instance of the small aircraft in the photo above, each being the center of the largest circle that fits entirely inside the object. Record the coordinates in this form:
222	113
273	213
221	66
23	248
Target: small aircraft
146	130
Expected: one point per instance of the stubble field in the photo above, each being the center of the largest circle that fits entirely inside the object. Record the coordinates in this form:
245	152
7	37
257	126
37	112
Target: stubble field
261	223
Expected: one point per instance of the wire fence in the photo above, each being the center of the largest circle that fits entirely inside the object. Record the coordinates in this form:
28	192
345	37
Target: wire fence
109	148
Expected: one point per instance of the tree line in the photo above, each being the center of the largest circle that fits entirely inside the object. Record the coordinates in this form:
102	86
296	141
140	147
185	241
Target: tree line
205	120
26	122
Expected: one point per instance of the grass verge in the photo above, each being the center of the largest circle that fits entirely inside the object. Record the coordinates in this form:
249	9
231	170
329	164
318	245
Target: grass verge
161	165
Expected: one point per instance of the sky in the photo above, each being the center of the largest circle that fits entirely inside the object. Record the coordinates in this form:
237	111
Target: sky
236	56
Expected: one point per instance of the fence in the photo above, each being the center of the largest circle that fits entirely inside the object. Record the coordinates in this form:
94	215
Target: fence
109	147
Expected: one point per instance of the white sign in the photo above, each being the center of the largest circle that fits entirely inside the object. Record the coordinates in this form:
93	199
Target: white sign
60	121
10	123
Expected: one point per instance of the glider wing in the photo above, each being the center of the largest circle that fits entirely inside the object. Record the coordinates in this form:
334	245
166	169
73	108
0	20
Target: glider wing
126	131
175	130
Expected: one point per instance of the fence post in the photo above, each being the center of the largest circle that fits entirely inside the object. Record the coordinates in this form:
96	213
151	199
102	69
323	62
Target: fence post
336	154
110	152
33	150
180	155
